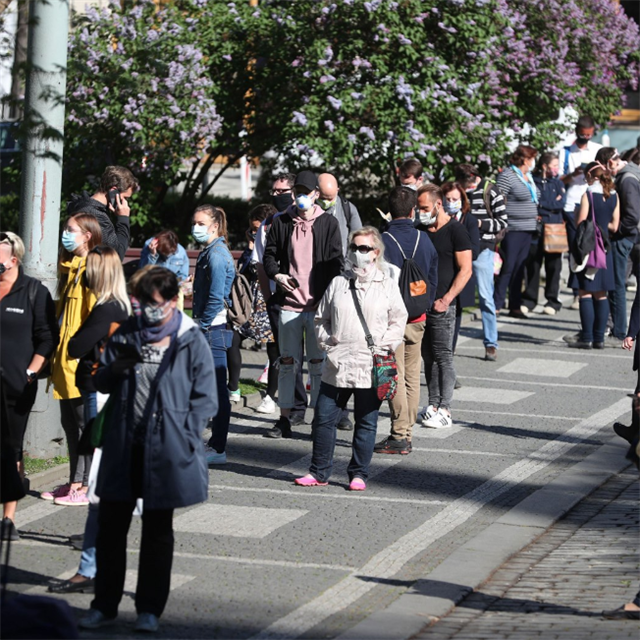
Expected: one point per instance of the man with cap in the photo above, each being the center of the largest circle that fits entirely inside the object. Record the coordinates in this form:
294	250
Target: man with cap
303	254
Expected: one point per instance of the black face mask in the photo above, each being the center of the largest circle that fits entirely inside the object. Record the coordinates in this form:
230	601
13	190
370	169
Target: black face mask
283	201
582	141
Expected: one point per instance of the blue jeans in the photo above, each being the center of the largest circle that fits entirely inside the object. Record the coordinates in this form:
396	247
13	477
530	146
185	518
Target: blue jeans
437	351
219	339
483	270
87	566
620	249
331	401
293	325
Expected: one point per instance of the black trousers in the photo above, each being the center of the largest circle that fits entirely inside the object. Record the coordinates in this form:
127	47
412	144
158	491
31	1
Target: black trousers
552	267
154	567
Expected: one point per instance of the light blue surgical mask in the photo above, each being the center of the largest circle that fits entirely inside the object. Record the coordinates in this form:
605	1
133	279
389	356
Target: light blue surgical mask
69	241
304	202
200	233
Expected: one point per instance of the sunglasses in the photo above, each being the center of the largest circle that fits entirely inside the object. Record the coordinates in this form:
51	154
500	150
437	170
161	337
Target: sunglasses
361	248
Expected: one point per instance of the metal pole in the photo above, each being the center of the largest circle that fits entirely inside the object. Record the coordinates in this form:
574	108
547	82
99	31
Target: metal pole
41	183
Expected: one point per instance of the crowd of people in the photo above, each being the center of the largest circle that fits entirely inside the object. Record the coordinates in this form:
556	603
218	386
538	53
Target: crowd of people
138	380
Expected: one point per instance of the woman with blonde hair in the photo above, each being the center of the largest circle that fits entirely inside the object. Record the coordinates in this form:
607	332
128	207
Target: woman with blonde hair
81	234
28	336
349	360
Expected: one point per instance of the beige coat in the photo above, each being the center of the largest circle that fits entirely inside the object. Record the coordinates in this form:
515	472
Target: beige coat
340	334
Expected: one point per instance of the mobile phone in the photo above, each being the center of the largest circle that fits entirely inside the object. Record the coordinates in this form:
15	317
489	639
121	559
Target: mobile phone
127	351
112	196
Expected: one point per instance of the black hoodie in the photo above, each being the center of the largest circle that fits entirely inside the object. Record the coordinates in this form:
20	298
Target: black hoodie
114	236
628	188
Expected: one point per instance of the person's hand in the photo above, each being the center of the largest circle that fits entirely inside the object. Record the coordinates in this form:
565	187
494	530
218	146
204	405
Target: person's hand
627	343
286	282
122	206
578	171
440	305
153	247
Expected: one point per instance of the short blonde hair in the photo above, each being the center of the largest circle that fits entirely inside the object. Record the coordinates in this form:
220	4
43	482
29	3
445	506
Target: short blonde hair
15	242
377	243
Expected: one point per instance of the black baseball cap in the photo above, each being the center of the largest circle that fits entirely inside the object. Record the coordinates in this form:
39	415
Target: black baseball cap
307	179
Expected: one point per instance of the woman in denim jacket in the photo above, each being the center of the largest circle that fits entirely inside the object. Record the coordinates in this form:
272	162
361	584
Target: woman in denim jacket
215	272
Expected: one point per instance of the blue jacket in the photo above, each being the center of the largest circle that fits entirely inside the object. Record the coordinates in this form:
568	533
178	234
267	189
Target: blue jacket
175	465
552	199
426	256
215	272
177	262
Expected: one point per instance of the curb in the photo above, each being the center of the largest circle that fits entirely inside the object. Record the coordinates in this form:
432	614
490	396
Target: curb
47	479
472	564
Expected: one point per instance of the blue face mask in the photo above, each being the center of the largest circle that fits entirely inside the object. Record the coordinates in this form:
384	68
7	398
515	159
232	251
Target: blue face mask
200	233
69	241
453	208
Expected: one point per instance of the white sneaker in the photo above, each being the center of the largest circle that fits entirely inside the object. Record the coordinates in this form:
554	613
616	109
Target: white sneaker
550	311
441	420
525	311
267	405
427	412
235	396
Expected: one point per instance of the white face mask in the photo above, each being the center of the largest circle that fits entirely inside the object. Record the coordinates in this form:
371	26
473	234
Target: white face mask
428	219
304	202
361	260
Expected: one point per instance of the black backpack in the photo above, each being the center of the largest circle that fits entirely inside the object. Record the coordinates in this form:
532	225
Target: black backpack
412	283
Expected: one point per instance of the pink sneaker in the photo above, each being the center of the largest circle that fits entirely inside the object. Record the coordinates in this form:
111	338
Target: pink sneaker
309	481
73	499
58	492
357	484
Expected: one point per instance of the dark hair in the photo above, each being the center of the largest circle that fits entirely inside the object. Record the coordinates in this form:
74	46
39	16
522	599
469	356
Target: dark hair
545	158
119	177
596	170
158	279
218	215
432	190
585	122
452	186
167	242
411	168
289	177
523	152
465	174
631	155
605	154
402	202
261	212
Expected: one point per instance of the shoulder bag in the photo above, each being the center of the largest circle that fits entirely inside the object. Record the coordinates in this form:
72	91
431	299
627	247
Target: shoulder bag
385	368
555	238
598	257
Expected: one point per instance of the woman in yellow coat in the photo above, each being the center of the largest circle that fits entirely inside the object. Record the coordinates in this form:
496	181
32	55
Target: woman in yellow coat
75	301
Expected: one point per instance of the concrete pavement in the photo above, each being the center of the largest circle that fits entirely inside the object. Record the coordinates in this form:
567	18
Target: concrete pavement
265	559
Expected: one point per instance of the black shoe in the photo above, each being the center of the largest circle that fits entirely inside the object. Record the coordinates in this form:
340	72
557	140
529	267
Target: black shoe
570	338
580	345
403	447
295	420
84	586
626	433
281	429
8	530
621	614
598	345
345	425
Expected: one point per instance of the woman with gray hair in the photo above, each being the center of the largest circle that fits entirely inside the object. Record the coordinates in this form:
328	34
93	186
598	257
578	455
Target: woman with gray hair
349	362
28	336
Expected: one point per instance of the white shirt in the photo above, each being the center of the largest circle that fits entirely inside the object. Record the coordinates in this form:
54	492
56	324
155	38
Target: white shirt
578	185
259	245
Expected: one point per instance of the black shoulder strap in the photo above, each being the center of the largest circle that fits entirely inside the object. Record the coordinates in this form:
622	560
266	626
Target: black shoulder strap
346	207
356	302
32	290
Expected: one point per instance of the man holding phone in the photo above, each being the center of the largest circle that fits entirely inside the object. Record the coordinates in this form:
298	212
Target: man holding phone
117	185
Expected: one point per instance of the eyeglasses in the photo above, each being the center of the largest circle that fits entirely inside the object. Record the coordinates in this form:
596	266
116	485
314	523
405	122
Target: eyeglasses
361	248
279	192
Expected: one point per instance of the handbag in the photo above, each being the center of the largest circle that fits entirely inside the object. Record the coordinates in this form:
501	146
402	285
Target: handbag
99	424
555	238
598	257
385	368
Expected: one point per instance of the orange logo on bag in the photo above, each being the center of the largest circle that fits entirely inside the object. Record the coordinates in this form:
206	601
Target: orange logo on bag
418	288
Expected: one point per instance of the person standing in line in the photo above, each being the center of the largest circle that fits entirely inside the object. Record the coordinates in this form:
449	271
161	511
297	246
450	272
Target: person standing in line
550	208
349	362
215	272
489	209
403	239
454	249
75	301
28	336
159	372
517	185
411	174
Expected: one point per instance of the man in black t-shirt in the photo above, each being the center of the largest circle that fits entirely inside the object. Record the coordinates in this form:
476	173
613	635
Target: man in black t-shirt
453	246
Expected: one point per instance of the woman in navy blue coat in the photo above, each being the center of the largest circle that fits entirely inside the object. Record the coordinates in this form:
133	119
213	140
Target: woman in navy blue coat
159	371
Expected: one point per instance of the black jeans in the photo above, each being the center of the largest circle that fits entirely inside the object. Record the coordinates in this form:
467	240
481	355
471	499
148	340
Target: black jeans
552	267
72	418
156	558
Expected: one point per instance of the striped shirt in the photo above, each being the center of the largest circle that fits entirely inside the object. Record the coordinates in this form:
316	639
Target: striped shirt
522	212
490	223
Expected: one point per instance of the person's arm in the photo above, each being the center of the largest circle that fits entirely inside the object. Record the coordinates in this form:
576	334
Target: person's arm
93	329
123	226
397	320
46	332
463	260
183	271
432	276
322	320
629	192
474	234
215	298
263	281
634	322
203	400
615	218
146	257
270	257
583	212
561	197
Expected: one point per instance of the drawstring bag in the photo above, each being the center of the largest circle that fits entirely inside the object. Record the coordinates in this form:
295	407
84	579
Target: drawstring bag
598	257
385	367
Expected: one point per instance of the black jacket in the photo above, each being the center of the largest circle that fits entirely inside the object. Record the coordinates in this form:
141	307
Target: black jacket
25	330
115	236
327	251
628	189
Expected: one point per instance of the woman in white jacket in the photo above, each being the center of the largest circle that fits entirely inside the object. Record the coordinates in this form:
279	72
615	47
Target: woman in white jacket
349	362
